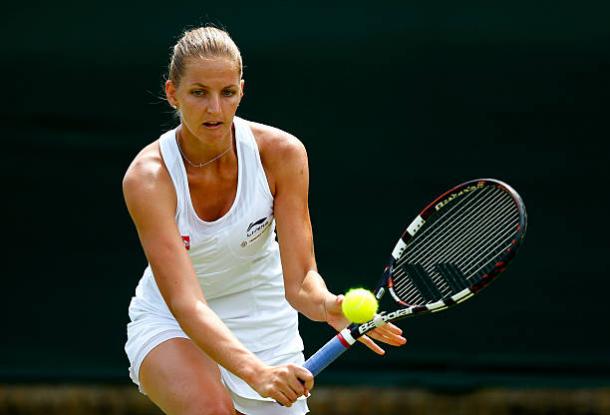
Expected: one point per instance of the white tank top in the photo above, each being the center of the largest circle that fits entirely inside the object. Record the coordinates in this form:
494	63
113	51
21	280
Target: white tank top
236	257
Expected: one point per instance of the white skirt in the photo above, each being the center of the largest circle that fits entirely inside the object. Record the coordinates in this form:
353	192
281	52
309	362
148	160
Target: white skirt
148	329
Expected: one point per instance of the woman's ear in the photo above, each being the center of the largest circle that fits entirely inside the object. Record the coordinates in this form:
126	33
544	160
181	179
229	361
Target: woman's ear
170	93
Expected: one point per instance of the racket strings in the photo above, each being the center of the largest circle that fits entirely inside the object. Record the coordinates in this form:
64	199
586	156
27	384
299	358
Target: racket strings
405	289
453	253
434	225
490	261
453	239
456	251
490	247
456	231
458	245
454	268
412	294
469	236
452	226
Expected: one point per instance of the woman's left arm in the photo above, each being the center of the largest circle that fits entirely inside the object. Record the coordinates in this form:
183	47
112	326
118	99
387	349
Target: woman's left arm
305	288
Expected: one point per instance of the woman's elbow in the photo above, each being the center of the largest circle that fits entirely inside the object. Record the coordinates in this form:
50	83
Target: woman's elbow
184	308
292	296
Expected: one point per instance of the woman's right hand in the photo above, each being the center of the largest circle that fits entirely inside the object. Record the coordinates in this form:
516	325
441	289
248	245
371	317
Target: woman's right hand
283	383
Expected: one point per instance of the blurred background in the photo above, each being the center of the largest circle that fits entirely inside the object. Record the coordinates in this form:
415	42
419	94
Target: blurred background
395	102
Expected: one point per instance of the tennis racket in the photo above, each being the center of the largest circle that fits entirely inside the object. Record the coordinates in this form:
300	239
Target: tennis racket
455	247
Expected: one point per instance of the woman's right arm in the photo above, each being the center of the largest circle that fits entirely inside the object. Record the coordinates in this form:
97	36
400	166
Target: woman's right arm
151	201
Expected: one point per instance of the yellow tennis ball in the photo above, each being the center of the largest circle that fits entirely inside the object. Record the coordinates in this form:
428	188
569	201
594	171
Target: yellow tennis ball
359	305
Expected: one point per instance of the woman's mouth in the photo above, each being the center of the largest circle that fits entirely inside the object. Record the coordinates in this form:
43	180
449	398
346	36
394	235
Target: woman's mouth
212	124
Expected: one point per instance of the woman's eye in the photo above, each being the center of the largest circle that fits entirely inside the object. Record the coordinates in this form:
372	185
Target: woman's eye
228	93
198	92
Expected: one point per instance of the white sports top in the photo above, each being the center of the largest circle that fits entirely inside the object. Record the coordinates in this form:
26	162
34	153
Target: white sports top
236	257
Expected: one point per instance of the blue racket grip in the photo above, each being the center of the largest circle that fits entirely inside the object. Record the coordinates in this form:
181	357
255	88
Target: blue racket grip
327	354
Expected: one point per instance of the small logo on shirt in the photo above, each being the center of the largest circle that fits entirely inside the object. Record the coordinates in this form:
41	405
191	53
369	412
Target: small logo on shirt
187	241
255	230
253	224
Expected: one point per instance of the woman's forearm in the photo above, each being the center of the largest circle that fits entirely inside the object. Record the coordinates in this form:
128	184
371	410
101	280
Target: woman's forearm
311	297
205	328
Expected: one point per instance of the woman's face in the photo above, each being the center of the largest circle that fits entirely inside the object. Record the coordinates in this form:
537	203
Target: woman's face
207	96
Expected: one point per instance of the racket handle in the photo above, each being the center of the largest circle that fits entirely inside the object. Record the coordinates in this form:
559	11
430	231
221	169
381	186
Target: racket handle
328	353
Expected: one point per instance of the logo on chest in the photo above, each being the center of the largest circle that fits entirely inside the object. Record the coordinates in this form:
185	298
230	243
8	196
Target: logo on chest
255	230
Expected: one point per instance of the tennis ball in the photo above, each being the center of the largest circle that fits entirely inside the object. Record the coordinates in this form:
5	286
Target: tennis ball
359	305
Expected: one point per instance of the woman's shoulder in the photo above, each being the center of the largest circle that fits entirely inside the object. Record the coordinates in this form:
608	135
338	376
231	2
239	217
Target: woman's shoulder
283	155
147	187
147	168
274	142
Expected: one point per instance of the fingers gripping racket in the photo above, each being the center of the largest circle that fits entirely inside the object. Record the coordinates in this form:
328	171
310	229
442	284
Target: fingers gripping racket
456	246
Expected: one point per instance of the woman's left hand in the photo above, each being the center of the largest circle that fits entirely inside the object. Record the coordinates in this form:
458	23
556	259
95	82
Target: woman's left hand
388	333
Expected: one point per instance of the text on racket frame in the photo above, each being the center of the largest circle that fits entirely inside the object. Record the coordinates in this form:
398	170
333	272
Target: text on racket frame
452	196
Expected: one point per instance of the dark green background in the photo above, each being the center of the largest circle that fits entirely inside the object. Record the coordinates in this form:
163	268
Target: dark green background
395	103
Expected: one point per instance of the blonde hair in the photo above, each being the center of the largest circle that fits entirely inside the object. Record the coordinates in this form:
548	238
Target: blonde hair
203	42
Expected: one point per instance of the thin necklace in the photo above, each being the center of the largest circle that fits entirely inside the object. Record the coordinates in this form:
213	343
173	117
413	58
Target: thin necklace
198	165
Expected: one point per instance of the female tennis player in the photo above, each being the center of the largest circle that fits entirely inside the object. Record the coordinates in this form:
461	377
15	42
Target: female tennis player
214	326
